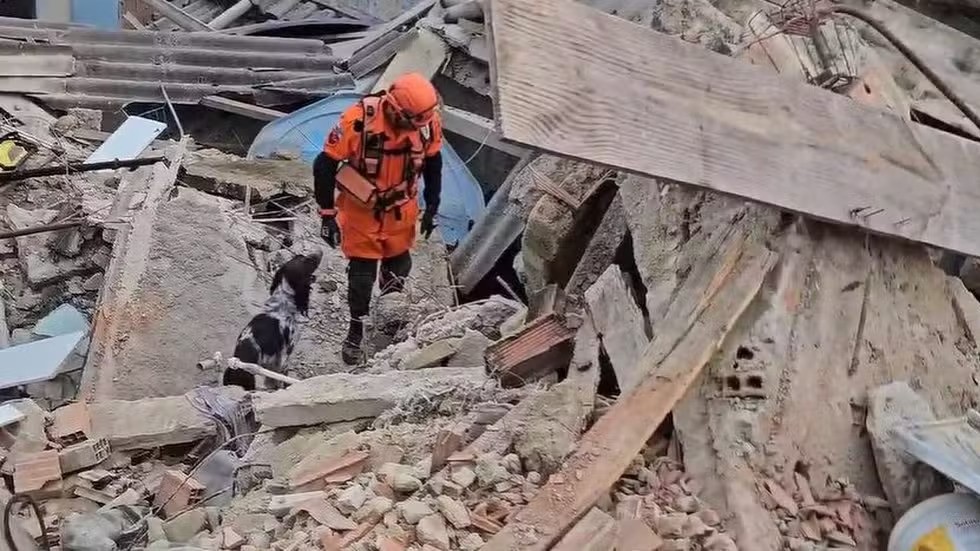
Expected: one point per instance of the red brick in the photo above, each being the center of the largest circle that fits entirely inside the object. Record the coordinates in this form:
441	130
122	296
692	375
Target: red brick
539	348
84	455
33	471
185	491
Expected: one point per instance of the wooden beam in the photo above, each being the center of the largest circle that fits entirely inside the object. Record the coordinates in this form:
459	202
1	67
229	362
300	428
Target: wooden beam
178	16
425	54
577	82
714	300
241	108
478	129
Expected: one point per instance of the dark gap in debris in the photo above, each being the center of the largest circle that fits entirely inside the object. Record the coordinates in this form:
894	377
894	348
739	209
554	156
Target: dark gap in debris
754	381
504	269
608	384
626	260
587	218
802	468
733	382
744	353
210	128
926	119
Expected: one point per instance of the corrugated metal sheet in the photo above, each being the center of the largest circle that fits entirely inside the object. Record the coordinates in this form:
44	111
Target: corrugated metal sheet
116	67
283	10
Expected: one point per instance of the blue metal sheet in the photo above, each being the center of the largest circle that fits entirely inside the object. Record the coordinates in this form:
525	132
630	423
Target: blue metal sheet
61	321
304	131
133	136
36	361
103	14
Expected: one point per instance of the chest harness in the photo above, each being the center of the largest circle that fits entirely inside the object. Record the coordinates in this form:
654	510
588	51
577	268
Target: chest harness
367	162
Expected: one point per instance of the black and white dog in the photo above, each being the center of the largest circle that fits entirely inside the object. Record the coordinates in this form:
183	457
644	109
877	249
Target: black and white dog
268	339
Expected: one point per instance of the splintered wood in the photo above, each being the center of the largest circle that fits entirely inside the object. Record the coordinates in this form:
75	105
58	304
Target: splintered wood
722	124
717	296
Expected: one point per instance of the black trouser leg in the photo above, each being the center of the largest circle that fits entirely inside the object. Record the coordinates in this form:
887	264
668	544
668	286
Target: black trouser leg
361	273
394	272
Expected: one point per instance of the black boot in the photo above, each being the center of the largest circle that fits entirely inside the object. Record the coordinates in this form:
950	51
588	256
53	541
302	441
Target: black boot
351	351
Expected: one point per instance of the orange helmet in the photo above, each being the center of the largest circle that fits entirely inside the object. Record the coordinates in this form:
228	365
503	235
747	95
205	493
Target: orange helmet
414	97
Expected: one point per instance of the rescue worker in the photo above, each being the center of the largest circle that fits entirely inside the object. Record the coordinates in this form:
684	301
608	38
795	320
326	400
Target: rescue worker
374	157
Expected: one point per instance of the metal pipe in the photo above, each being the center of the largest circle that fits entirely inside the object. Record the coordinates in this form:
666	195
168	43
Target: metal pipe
230	15
72	168
40	229
910	55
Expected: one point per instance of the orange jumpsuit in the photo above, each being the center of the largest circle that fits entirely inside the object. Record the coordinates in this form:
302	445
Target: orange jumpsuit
366	232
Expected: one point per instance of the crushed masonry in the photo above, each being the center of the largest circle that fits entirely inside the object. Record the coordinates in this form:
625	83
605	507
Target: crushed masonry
663	322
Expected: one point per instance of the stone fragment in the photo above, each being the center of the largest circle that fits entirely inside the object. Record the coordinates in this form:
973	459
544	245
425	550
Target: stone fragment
184	527
490	470
471	348
231	539
904	480
375	507
464	476
471	542
454	511
413	510
682	544
351	499
671	525
709	517
154	529
431	530
405	483
431	355
344	396
720	542
686	504
693	526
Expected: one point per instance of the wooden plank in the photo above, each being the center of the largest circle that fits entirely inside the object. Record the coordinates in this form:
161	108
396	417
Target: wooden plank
478	129
619	321
241	108
580	83
595	532
425	55
717	298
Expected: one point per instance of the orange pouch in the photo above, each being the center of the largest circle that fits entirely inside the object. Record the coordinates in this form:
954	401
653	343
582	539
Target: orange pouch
356	185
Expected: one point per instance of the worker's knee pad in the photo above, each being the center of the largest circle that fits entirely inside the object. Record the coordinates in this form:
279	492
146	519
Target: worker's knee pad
394	272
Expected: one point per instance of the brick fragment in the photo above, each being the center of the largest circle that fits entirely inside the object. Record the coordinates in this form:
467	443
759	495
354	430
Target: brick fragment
33	471
176	492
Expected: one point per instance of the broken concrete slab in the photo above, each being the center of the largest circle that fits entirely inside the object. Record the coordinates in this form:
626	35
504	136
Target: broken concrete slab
184	259
35	252
218	173
431	355
620	325
472	346
344	396
904	479
152	422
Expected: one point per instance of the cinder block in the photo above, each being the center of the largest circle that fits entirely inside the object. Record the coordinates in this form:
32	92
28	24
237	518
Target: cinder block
33	471
176	492
84	455
71	425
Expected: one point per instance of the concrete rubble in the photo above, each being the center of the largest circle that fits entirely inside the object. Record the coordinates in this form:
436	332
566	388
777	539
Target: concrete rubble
605	361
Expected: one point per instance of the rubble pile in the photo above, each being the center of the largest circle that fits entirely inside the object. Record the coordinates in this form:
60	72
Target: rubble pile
596	359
